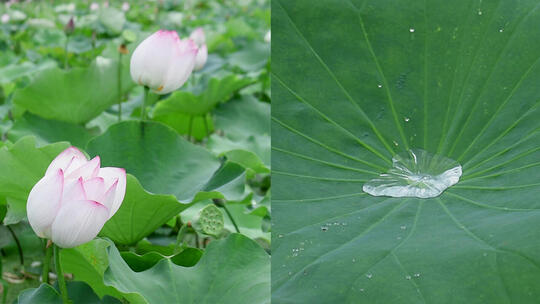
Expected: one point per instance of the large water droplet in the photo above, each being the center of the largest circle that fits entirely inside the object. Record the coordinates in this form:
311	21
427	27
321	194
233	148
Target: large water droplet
415	173
411	30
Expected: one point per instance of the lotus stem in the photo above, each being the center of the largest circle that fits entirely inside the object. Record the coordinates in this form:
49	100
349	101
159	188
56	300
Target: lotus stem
119	77
19	247
46	262
145	97
60	275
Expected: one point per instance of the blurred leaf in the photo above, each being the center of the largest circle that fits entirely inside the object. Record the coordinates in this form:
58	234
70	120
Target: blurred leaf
75	96
180	123
15	71
22	166
112	19
245	123
48	131
251	58
247	159
218	90
233	270
162	160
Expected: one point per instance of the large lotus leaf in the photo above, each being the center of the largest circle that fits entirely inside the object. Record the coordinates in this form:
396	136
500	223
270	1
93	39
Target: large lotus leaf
354	83
140	206
218	90
232	270
166	163
76	95
22	166
48	131
15	71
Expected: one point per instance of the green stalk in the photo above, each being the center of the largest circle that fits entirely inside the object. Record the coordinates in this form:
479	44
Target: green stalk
119	76
145	97
66	53
230	217
46	262
19	247
60	275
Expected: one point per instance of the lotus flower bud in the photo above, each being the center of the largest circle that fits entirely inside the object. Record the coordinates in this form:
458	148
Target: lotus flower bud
125	6
5	18
94	6
198	37
70	27
202	56
163	62
75	198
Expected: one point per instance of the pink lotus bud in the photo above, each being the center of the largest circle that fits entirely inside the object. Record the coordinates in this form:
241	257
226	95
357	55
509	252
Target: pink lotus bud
5	18
70	27
163	62
125	6
94	6
198	37
202	56
75	198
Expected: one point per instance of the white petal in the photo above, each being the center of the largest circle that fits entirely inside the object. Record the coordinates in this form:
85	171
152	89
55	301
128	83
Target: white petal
112	175
95	189
88	170
64	159
44	202
78	222
155	62
202	56
73	191
180	66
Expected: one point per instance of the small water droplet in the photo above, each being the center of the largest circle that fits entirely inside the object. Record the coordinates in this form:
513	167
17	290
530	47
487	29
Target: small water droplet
280	235
408	277
403	227
290	272
324	228
361	289
354	260
395	143
305	272
406	119
399	238
369	275
501	30
411	30
416	275
484	254
479	13
379	85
